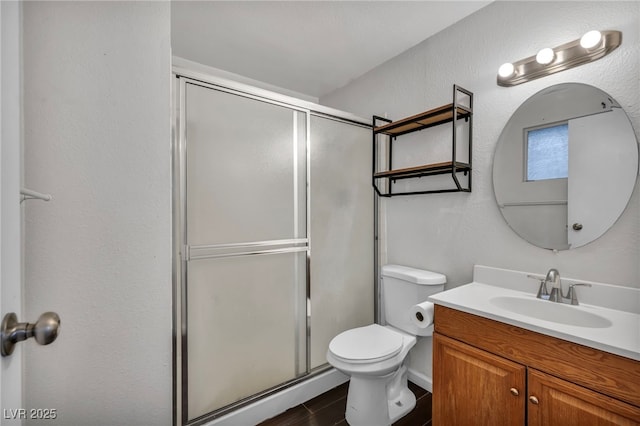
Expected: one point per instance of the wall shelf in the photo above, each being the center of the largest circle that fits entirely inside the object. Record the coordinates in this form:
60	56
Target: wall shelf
434	117
426	170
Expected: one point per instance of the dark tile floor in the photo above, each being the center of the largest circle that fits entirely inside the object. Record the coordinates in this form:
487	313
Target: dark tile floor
328	410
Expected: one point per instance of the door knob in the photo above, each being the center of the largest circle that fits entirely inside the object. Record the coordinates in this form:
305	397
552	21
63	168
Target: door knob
45	330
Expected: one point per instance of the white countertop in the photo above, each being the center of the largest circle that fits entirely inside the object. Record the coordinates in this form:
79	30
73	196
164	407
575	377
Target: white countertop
622	337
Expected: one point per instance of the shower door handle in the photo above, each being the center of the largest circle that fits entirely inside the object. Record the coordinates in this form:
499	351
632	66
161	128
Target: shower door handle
45	330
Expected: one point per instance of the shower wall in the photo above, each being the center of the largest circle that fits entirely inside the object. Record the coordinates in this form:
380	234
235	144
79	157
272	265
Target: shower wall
274	242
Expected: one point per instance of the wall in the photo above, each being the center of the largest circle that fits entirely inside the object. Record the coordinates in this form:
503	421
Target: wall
98	138
449	233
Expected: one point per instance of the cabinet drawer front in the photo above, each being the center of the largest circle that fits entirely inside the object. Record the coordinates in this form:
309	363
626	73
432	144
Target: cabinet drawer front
601	371
471	386
558	402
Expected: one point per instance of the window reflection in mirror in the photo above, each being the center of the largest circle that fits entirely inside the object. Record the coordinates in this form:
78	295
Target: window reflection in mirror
547	152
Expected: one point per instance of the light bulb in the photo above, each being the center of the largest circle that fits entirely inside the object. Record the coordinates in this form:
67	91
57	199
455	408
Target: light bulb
591	39
545	56
506	70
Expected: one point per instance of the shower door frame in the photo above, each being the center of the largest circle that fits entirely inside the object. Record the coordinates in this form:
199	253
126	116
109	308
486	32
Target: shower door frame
182	76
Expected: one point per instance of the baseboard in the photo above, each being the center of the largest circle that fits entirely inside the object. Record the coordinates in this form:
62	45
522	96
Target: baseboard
280	402
421	380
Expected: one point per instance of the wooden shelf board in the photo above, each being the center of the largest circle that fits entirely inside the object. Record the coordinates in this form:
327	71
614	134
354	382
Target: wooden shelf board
423	120
446	166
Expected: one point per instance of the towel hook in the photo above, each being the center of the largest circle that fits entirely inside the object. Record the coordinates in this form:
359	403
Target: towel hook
28	194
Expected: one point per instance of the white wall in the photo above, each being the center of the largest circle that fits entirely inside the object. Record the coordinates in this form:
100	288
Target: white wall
449	233
97	137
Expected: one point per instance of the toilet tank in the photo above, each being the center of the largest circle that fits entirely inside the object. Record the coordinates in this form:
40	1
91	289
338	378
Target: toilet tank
403	287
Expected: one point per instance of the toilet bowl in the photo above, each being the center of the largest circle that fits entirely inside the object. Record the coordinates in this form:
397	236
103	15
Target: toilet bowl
373	355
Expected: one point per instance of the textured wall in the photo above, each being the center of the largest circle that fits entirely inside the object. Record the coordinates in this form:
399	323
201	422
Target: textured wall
97	137
449	233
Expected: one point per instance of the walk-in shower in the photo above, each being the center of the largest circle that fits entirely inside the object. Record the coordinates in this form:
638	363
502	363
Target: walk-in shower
273	238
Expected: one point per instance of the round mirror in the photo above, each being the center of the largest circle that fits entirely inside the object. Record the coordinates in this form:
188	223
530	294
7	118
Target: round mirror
565	166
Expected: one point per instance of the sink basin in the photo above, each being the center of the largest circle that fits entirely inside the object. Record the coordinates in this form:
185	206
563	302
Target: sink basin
550	311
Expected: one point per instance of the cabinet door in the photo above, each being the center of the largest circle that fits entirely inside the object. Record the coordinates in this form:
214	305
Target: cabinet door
556	402
474	387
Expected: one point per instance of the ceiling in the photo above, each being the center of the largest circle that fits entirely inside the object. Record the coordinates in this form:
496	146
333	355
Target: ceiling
310	47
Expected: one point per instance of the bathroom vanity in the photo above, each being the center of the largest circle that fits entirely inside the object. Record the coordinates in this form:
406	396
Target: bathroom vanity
492	367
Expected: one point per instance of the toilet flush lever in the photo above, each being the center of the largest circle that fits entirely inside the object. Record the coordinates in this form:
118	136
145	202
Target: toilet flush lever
45	330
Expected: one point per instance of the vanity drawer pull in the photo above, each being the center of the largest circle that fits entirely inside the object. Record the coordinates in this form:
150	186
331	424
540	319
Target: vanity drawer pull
534	400
514	391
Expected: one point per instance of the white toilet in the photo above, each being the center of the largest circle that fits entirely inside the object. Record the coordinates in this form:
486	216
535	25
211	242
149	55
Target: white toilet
373	355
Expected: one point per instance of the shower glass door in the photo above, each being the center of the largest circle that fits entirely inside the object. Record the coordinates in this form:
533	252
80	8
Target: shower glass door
342	229
245	246
274	243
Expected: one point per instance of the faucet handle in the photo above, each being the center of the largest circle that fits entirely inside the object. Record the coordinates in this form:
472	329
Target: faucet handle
543	293
572	292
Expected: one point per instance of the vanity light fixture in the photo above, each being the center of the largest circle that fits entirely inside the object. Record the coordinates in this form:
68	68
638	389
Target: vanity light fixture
592	46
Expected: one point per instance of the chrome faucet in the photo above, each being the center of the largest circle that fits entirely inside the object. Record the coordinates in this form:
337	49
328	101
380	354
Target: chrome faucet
553	276
556	295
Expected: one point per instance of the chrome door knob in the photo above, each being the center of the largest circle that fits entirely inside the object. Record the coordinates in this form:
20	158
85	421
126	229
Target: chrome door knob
44	331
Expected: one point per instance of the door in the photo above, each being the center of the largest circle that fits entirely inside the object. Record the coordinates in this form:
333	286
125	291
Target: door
596	168
274	222
556	402
10	269
474	387
342	227
245	246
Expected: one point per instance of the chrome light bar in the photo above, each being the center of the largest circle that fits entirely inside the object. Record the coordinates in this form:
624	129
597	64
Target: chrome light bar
591	47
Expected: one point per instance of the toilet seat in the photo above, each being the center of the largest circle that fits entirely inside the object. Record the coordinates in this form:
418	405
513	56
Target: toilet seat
372	343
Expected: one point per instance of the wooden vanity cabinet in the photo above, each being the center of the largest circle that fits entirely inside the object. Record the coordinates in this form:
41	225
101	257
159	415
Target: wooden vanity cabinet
490	373
474	387
562	403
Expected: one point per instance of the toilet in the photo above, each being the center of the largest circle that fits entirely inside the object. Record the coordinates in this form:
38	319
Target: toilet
373	355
